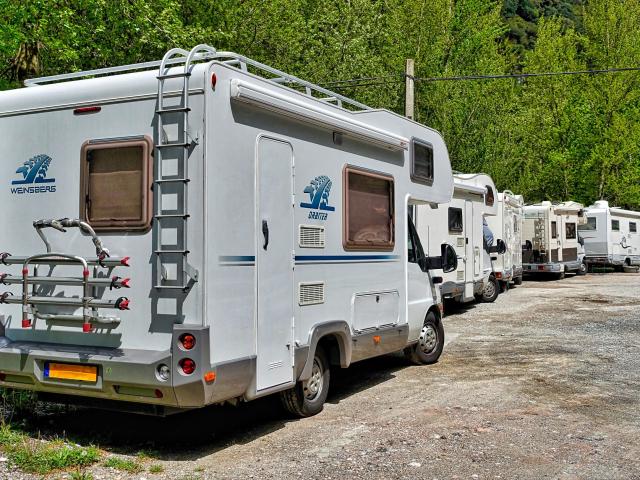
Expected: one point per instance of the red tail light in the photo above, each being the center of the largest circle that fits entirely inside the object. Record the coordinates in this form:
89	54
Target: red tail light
187	365
188	341
214	80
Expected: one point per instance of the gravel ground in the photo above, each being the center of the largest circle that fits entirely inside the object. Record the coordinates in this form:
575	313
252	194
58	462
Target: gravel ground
544	383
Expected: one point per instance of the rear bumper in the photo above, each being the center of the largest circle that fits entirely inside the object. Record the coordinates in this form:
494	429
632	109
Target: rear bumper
542	267
124	375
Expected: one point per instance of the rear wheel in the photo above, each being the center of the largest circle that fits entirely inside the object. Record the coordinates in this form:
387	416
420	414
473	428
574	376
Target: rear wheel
583	269
491	290
430	342
307	397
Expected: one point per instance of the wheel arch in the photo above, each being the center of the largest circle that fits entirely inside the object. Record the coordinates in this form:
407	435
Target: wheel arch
335	338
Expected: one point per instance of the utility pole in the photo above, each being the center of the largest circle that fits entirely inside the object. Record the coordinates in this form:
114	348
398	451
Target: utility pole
409	89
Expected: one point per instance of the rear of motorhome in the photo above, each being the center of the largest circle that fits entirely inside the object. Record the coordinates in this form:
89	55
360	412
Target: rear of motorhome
550	238
205	229
507	225
460	223
610	236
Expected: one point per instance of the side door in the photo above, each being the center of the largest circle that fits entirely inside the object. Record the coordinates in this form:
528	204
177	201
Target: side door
419	292
473	264
274	265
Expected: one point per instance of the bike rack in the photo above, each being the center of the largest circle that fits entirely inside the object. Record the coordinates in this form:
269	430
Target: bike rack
90	301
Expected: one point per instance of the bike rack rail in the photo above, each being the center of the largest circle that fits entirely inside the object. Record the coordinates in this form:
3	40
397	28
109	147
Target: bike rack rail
90	301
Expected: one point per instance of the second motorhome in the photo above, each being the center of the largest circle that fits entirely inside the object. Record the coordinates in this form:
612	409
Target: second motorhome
610	235
207	228
461	223
550	238
507	225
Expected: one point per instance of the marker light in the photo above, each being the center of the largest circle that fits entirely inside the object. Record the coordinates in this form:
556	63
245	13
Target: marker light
209	377
214	80
187	365
86	110
188	341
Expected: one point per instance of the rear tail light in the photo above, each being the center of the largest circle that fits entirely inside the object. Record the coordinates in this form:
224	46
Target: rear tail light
187	341
187	365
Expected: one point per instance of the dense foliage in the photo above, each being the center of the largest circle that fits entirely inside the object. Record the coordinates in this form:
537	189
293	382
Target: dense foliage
565	137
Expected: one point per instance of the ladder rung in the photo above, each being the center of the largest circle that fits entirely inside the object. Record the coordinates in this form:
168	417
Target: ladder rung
170	287
173	75
172	215
173	180
173	110
173	145
162	252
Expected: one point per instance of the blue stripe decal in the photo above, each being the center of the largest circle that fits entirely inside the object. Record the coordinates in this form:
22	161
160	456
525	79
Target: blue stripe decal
237	258
342	258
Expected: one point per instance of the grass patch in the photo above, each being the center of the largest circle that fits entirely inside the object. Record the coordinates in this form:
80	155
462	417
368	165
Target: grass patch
123	464
80	475
156	469
39	456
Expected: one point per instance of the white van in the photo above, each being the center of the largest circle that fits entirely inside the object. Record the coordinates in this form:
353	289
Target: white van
610	235
550	237
207	228
461	223
507	224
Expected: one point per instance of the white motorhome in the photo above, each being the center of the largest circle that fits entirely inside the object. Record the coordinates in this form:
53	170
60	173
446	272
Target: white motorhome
507	225
550	238
257	223
461	223
610	235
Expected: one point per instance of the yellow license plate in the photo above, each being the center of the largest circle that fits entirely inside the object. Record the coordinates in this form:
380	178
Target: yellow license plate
68	371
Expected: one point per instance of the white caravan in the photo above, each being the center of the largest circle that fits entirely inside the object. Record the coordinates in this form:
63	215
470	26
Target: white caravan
610	235
507	225
550	238
209	229
461	224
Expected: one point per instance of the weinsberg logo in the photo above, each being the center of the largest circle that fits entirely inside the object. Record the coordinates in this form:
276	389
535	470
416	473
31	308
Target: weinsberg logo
34	176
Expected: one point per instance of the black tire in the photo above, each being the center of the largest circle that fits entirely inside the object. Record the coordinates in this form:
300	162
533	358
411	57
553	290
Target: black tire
302	402
583	269
504	287
560	276
430	344
491	290
517	281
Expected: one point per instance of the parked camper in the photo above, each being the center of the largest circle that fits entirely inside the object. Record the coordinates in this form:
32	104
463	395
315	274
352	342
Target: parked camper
610	236
461	224
259	225
550	237
507	224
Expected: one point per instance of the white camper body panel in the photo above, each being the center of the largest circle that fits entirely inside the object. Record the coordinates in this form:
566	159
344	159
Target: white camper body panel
265	232
551	230
460	224
507	225
610	235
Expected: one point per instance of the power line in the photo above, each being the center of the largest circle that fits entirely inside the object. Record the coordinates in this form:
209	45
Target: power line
400	78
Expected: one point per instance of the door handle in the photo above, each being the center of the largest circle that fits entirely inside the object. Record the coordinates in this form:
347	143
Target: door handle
265	234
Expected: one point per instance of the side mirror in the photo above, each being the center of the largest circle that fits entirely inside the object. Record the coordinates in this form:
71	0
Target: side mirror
581	240
502	247
449	258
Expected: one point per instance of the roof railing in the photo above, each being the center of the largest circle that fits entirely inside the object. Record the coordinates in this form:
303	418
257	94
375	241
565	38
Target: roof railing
231	59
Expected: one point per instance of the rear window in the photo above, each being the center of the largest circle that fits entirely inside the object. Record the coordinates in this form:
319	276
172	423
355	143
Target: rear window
554	230
368	219
489	197
633	228
570	230
116	178
422	162
455	220
615	225
590	225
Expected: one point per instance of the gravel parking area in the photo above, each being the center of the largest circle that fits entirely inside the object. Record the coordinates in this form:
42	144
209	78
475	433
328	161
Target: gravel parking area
544	383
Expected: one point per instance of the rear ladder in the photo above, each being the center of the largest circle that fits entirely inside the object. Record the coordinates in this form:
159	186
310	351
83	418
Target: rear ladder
176	182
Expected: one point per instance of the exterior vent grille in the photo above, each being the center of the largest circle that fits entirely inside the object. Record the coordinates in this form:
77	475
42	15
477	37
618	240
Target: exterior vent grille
311	293
460	241
460	275
311	236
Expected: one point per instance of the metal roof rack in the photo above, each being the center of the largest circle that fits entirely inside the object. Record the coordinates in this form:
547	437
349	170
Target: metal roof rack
229	58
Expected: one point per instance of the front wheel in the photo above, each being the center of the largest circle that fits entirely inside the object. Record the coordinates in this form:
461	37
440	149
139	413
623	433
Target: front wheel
583	269
307	397
491	290
430	342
